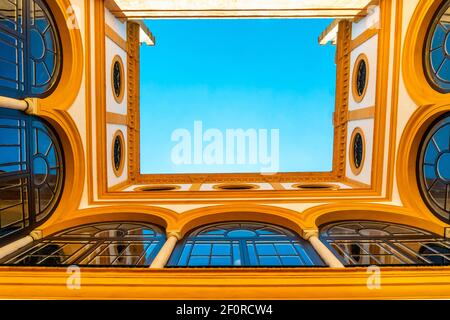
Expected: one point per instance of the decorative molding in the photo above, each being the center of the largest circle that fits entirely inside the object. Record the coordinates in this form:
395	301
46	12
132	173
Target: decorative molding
133	77
116	38
342	95
112	6
116	118
120	186
360	114
363	37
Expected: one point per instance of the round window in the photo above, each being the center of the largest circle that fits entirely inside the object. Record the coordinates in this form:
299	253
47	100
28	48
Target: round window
360	76
118	152
117	79
434	167
437	50
357	151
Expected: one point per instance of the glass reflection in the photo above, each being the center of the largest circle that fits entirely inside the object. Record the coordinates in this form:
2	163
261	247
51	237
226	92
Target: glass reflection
29	49
243	244
434	168
438	50
103	244
378	243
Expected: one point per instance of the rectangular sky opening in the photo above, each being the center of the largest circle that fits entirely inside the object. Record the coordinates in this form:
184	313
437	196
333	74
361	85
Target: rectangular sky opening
237	95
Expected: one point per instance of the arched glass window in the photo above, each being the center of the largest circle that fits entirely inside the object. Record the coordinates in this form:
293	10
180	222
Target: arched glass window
433	169
99	244
243	244
437	50
30	50
31	172
379	243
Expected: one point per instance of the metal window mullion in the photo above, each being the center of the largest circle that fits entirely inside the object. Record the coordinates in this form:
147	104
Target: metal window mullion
97	244
29	159
190	251
26	14
243	252
344	252
405	255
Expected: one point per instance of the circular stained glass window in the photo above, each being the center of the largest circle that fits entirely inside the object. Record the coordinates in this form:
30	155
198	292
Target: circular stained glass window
437	50
360	75
357	151
117	78
118	153
434	167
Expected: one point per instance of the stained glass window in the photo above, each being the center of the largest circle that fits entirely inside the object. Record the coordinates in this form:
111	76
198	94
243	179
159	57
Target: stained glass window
242	244
434	168
100	244
117	153
117	79
30	51
437	50
358	150
31	171
379	243
361	77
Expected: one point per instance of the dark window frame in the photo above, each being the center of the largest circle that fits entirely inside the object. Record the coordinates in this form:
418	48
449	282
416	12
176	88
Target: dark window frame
288	237
64	238
32	216
394	243
25	63
420	164
429	73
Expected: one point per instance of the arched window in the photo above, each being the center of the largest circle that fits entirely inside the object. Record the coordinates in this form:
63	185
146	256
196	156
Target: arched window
433	169
30	50
31	172
243	244
380	243
437	50
99	244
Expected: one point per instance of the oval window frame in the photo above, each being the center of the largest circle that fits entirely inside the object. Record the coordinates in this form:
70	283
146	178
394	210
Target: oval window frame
118	134
118	59
357	170
158	188
361	58
235	187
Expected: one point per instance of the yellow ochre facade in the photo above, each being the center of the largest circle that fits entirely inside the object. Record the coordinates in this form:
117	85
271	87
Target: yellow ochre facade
391	114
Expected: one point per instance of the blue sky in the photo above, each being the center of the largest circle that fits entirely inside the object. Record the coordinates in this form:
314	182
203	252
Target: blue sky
231	74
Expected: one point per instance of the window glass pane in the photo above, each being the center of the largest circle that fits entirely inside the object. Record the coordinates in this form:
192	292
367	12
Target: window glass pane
399	246
437	58
81	246
434	167
249	244
29	57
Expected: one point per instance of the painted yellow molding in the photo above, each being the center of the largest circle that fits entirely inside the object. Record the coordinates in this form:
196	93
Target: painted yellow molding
363	37
360	114
69	83
227	283
115	37
116	118
412	66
